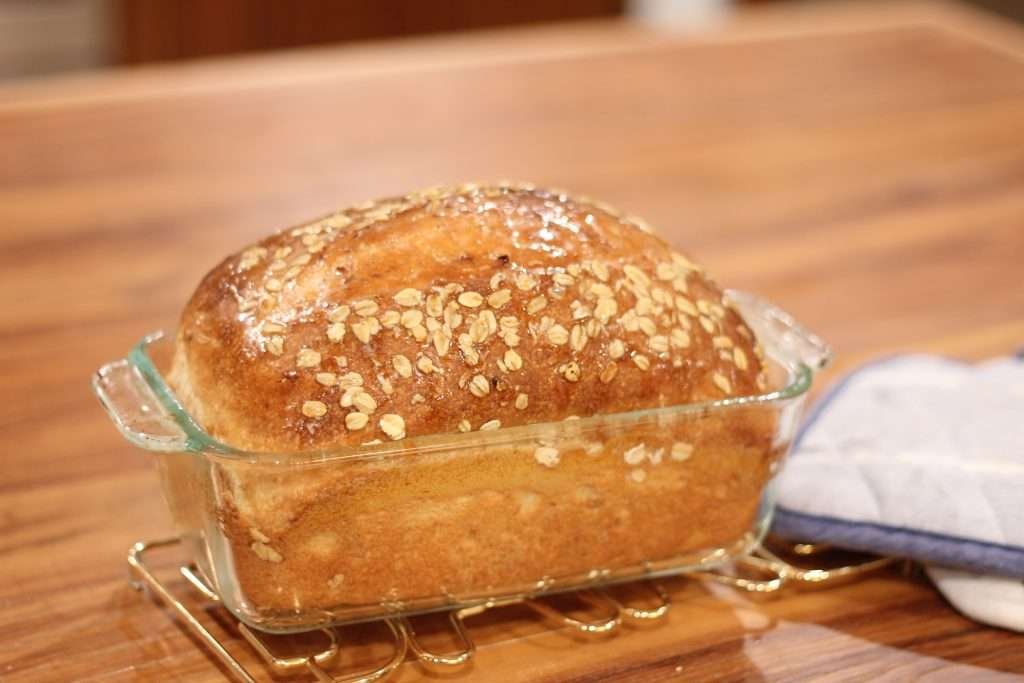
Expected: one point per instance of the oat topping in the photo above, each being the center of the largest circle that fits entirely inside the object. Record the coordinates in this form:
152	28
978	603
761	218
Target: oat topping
314	409
546	455
490	322
442	340
327	379
348	395
356	421
680	339
470	299
686	306
411	318
258	535
578	338
635	455
479	330
393	425
600	291
365	307
364	329
722	342
580	311
435	306
636	276
307	358
645	310
479	386
266	553
409	297
606	309
571	371
338	314
490	425
251	257
681	451
336	332
513	361
364	403
402	366
609	372
350	379
665	271
499	298
525	282
564	279
638	475
557	335
647	326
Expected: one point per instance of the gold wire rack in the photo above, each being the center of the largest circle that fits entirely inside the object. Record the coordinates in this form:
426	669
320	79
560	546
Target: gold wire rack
762	571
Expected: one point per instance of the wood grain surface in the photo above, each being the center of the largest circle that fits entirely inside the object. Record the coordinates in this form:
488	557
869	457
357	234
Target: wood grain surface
861	164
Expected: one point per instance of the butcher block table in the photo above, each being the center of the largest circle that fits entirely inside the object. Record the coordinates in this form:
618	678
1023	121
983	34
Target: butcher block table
861	164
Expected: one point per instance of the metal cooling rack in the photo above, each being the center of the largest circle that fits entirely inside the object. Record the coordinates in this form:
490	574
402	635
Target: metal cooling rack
760	571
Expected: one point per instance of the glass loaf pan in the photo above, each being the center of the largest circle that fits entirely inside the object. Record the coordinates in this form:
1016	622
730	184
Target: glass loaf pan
296	541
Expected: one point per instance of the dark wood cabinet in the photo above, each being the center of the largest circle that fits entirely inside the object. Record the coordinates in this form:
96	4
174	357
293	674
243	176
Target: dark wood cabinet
159	30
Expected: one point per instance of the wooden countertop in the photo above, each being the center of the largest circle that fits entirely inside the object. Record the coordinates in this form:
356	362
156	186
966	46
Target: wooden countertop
861	164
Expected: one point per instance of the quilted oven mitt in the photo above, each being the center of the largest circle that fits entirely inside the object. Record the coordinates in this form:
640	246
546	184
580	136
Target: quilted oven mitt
921	457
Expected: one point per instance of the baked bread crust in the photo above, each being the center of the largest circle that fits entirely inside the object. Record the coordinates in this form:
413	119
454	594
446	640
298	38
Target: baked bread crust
455	310
452	310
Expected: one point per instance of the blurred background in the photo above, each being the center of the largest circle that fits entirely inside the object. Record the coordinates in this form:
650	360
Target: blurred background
39	37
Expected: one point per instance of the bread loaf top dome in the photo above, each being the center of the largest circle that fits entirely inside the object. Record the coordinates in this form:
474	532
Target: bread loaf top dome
456	309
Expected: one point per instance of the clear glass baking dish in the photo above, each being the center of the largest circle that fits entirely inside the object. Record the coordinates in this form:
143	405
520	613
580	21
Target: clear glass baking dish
296	541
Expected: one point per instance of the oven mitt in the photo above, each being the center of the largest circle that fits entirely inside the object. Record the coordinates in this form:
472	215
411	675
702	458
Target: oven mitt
993	600
915	456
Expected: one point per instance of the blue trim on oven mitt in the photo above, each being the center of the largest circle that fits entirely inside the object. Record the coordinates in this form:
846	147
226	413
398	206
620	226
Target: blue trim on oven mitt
914	456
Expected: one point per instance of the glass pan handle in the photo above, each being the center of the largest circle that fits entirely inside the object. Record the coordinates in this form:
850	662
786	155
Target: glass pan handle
135	410
778	329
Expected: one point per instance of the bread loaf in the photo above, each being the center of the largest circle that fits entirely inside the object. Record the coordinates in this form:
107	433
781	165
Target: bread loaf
457	310
451	311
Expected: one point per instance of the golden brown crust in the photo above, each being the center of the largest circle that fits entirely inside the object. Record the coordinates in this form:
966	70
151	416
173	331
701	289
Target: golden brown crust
449	310
493	519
